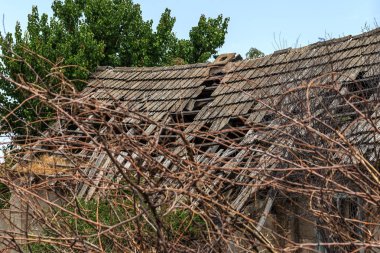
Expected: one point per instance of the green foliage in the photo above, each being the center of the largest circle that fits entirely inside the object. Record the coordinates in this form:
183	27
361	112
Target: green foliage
129	40
206	37
182	224
102	212
189	225
40	247
5	195
89	33
29	57
254	53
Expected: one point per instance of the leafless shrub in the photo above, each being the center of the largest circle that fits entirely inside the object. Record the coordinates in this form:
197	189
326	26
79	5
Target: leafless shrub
104	178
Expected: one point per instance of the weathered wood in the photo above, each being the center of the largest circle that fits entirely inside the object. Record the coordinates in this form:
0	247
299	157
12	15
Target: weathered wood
268	206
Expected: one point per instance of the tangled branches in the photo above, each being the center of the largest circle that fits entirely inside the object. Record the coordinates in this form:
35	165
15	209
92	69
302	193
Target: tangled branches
298	173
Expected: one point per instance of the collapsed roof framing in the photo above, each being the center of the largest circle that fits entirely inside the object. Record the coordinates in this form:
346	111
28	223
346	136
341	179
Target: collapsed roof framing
258	115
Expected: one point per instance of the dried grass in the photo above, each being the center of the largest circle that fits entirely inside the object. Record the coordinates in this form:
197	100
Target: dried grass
45	165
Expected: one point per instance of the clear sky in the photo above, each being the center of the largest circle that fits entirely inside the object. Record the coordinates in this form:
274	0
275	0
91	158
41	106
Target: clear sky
267	25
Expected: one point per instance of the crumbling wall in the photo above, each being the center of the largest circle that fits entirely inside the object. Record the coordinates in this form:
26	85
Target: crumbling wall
23	218
288	223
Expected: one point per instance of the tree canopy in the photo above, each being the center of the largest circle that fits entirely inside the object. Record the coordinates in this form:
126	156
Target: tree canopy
254	53
89	33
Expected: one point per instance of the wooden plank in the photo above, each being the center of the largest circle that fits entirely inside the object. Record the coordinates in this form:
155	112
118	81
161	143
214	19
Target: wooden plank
91	172
268	206
100	172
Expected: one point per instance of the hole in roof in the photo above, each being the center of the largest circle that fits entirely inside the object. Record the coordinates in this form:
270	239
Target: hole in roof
209	83
203	139
269	117
183	117
223	58
167	138
206	93
237	129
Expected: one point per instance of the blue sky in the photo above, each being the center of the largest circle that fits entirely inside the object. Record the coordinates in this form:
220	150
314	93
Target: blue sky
267	25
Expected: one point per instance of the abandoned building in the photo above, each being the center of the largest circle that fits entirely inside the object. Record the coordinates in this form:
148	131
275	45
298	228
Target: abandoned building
262	129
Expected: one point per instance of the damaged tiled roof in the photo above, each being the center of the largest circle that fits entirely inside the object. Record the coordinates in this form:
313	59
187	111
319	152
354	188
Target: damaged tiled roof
215	96
230	89
157	89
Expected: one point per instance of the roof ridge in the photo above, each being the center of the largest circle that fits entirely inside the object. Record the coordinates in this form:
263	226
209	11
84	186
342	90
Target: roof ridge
317	44
153	68
264	58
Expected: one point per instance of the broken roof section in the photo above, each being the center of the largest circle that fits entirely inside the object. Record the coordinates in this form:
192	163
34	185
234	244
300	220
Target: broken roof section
229	104
214	93
300	124
231	94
